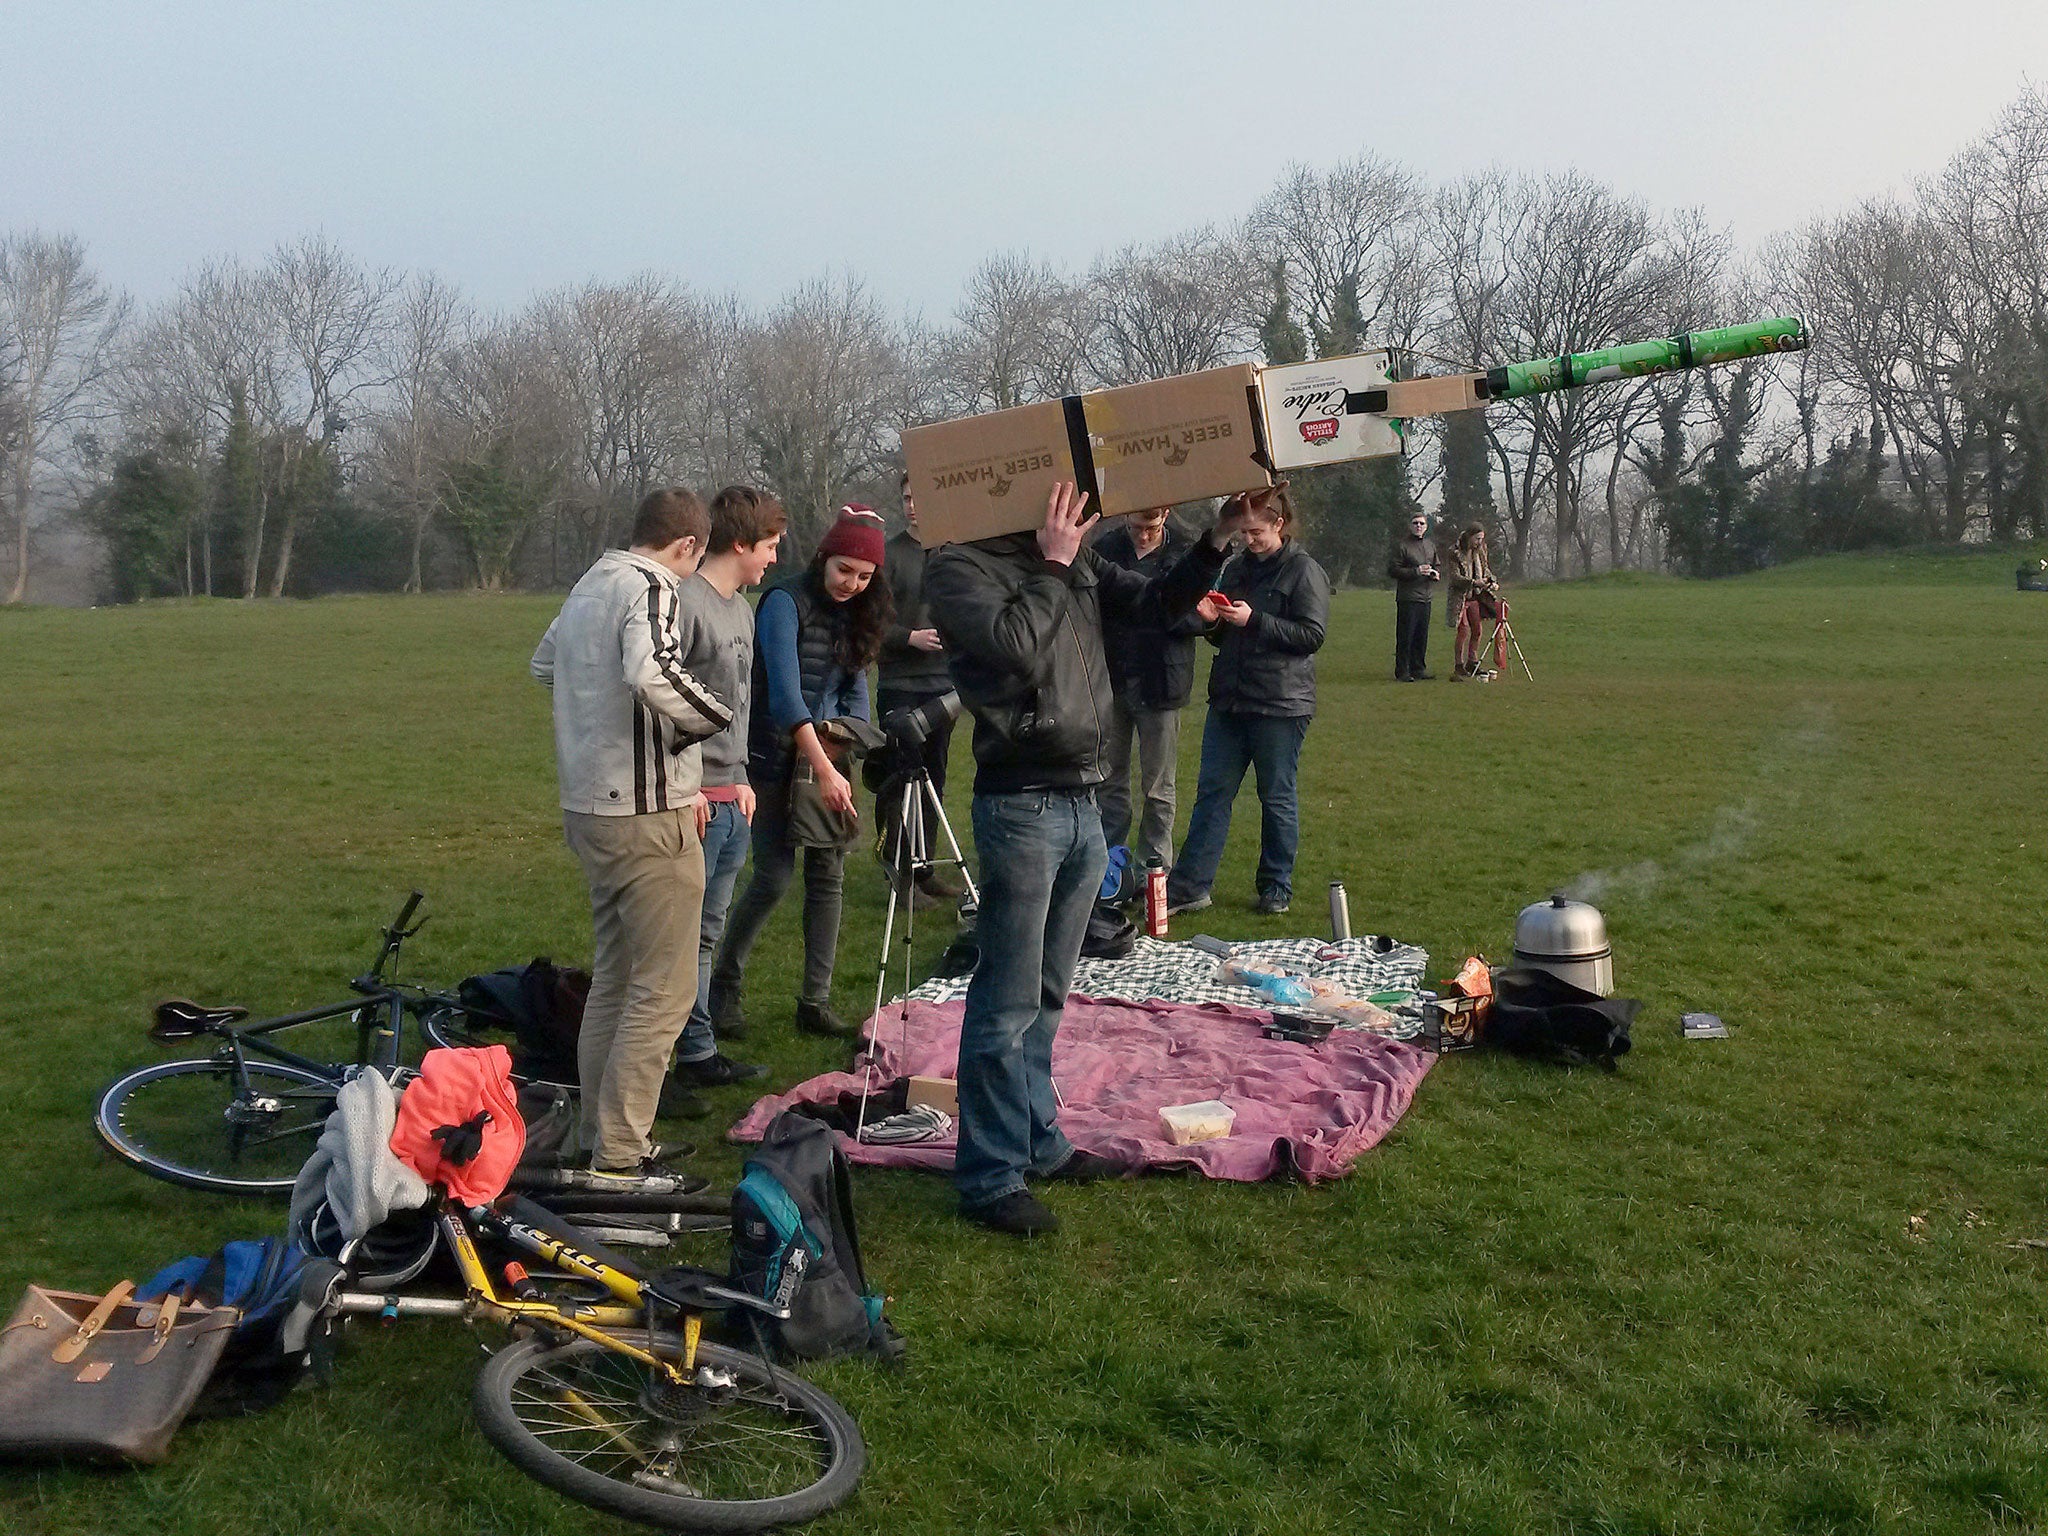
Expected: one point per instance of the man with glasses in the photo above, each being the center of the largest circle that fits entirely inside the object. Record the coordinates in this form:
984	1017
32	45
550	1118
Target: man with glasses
1412	565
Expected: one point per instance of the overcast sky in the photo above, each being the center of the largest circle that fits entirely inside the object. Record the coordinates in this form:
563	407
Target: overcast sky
517	146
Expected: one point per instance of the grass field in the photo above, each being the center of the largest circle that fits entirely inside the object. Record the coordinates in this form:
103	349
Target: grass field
1761	1285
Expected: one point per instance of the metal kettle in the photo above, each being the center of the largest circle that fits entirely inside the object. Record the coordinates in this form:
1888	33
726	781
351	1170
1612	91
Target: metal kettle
1569	940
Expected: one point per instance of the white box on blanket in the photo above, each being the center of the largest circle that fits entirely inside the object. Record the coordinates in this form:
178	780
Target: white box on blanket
1209	1120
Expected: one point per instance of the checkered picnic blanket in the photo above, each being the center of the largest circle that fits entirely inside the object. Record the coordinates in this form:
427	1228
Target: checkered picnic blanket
1177	972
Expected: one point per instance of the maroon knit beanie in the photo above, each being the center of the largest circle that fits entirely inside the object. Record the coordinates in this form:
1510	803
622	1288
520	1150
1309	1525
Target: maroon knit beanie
858	535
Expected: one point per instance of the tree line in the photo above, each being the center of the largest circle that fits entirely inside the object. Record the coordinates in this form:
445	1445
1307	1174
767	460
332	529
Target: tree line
311	422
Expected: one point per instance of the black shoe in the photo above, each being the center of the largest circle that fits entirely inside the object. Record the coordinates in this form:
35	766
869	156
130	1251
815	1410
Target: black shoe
1271	904
1400	677
717	1071
678	1103
727	1022
1422	677
1019	1213
1085	1168
819	1019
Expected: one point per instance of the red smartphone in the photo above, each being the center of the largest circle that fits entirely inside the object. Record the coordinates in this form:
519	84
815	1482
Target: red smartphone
1220	599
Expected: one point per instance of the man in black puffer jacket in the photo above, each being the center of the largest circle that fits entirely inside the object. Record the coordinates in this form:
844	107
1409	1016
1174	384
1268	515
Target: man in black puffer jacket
1021	616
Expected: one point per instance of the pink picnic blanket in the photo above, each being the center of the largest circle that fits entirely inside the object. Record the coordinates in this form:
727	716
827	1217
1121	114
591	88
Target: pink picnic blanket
1312	1109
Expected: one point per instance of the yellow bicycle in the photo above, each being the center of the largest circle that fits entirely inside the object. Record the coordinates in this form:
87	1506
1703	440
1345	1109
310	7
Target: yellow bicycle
609	1393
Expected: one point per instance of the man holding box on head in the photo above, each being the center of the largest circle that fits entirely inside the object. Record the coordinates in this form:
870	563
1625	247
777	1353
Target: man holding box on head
1021	616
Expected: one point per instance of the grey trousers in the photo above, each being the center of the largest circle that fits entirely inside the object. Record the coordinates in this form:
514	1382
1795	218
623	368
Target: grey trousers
646	876
1158	737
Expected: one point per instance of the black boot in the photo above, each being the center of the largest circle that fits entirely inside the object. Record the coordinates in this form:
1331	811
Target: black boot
819	1019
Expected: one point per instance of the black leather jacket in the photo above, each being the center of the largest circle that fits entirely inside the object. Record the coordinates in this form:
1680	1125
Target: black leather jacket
1151	666
1269	666
1024	637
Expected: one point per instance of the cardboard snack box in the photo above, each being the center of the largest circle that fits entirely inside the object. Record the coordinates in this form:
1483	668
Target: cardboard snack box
1143	445
1324	412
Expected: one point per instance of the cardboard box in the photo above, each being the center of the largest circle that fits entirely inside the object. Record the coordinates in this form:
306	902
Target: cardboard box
1176	440
941	1093
1329	411
985	475
1144	445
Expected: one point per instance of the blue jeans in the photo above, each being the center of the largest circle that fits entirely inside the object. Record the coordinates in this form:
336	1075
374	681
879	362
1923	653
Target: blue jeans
1042	859
1231	743
726	836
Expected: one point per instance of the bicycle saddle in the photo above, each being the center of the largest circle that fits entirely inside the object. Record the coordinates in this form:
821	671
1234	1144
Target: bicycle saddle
179	1018
700	1290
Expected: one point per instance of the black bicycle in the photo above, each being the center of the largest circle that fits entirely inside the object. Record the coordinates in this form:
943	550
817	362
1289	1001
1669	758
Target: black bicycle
243	1119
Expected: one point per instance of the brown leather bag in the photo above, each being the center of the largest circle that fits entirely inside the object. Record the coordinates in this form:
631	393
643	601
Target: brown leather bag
104	1377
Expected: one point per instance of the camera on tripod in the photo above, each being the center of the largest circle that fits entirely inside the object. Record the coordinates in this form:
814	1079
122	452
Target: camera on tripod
911	727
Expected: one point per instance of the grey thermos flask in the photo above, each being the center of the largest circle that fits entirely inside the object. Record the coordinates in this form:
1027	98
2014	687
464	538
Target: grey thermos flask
1340	912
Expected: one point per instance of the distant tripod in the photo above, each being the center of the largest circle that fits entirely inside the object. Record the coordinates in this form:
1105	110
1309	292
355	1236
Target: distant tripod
922	810
1503	637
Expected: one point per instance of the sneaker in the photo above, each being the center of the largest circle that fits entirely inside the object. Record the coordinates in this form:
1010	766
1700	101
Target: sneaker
1085	1168
727	1022
655	1166
1187	904
819	1019
718	1070
1019	1213
1272	904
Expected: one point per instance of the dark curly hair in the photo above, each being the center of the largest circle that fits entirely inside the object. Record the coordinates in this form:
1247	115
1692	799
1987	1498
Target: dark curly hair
860	623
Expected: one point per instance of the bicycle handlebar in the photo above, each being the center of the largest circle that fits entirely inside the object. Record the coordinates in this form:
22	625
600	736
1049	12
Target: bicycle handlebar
394	936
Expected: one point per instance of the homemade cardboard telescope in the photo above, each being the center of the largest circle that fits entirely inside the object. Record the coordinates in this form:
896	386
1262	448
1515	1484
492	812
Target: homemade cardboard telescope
1233	429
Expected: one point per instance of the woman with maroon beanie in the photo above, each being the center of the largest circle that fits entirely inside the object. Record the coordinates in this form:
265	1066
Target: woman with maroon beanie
814	639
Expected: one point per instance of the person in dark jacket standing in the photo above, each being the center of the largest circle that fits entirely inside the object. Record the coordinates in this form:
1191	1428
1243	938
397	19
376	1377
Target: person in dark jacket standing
1022	618
1262	695
912	672
1412	565
1152	675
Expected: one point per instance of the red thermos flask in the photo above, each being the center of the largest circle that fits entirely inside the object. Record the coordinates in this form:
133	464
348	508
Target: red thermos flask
1155	897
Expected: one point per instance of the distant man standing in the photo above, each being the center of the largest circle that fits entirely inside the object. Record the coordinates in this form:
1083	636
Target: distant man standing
912	671
628	719
1412	565
1152	676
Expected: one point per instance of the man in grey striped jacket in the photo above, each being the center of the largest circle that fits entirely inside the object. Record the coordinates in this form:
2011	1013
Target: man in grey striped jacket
628	719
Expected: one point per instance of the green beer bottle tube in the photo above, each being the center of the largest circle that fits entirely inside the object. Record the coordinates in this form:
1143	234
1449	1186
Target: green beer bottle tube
1640	359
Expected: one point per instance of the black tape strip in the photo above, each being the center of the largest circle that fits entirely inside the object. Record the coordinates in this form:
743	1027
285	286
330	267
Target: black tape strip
1564	372
1365	402
1262	453
1684	345
1081	450
1492	385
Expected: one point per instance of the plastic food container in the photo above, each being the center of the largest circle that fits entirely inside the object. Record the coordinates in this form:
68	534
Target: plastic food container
1184	1124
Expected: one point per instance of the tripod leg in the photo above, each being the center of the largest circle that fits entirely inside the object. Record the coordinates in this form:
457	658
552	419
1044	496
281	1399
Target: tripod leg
1520	657
959	859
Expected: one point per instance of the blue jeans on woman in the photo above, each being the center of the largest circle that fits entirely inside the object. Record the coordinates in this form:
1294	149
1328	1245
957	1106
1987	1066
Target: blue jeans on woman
726	838
1270	745
1042	858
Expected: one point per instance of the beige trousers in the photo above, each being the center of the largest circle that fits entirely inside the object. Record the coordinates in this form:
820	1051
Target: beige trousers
646	876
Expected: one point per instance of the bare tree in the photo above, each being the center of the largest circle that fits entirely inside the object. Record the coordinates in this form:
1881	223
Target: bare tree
1176	307
1356	232
1021	333
58	326
822	382
429	321
329	312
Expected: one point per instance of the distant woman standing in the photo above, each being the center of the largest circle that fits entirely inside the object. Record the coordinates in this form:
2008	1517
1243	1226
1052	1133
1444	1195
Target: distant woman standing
1262	695
814	639
1475	598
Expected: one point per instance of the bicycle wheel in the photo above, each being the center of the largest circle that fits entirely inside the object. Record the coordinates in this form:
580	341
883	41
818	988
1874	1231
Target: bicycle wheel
739	1449
453	1026
194	1123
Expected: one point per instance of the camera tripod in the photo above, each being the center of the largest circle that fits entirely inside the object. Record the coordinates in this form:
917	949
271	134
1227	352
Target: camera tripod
914	857
1504	636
